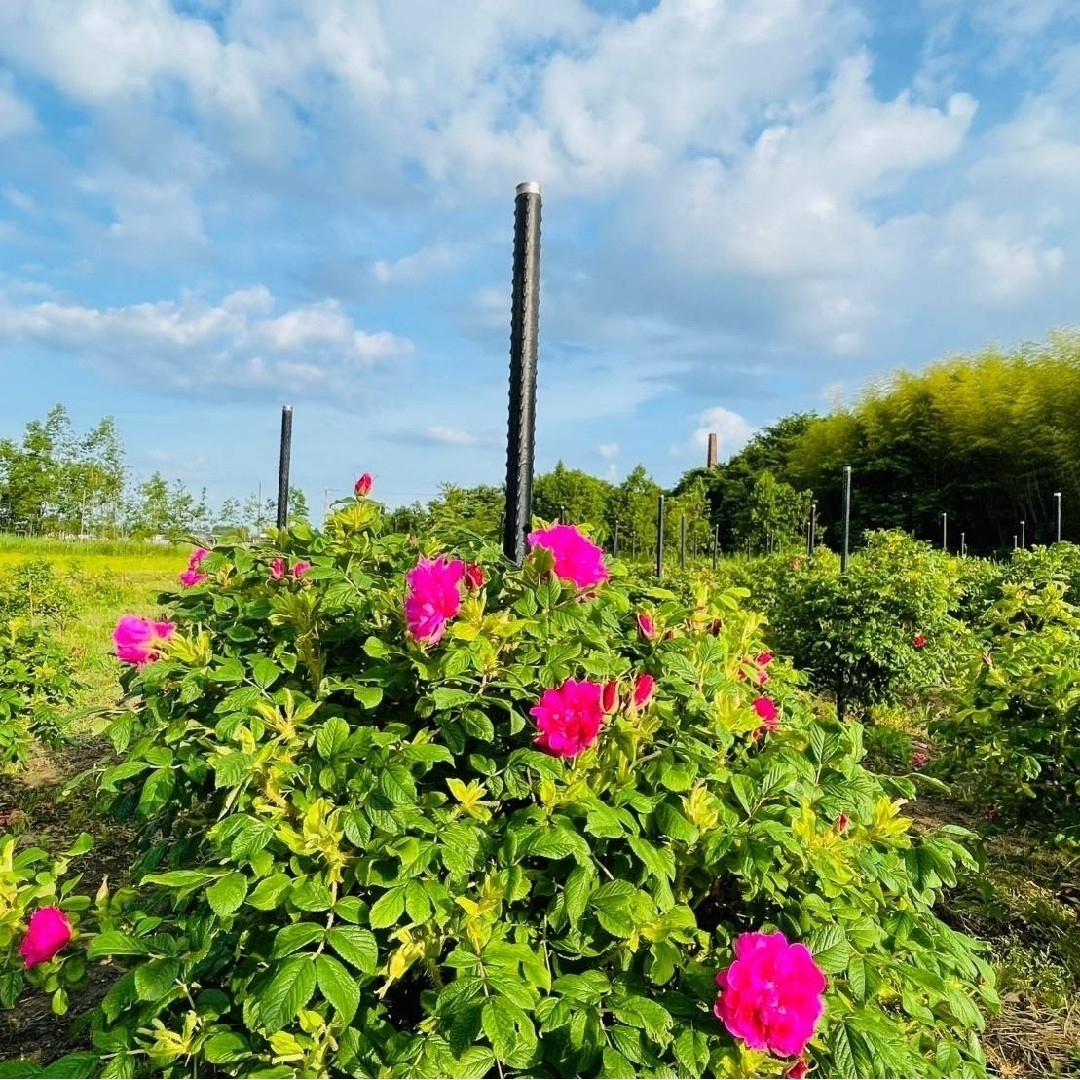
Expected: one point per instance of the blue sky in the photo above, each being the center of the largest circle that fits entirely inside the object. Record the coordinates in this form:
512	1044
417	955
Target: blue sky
209	209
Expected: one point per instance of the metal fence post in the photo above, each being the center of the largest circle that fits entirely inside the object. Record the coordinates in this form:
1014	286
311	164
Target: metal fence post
1057	499
660	537
847	518
524	336
682	543
284	457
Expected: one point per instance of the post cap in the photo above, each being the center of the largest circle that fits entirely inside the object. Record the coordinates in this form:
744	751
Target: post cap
529	187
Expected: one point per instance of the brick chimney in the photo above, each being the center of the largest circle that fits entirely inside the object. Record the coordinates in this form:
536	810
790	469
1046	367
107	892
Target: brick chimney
712	462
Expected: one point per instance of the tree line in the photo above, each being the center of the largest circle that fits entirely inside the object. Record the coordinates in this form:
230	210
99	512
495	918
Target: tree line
987	439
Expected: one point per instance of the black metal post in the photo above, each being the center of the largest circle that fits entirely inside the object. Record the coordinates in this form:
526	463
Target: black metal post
812	534
284	456
963	544
524	338
615	541
847	518
1057	499
1023	534
562	515
944	530
715	545
660	537
682	543
1015	544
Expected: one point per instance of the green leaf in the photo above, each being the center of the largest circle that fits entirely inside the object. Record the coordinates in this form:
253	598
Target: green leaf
77	1066
830	949
156	792
332	737
388	908
338	986
154	979
448	698
179	879
230	770
356	946
287	993
294	937
225	1047
227	893
264	671
231	671
692	1051
497	1021
268	893
114	943
578	888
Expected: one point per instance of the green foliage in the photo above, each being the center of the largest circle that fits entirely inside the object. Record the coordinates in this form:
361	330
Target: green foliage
31	590
855	634
355	862
36	686
1012	729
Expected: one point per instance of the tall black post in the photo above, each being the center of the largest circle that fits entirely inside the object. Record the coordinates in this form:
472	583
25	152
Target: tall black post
682	543
847	518
963	544
944	530
284	456
660	537
1057	499
615	541
811	534
524	337
1023	534
715	545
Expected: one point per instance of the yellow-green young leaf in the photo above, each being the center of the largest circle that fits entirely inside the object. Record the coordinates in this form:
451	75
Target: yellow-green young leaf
497	1020
225	1047
356	946
337	986
388	908
287	993
227	893
264	671
268	893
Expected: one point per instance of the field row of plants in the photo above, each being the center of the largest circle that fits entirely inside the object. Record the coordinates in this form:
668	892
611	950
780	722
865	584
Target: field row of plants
389	806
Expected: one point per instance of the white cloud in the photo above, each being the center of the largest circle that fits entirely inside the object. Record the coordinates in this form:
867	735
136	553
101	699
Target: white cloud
732	432
450	436
15	115
608	451
193	346
420	265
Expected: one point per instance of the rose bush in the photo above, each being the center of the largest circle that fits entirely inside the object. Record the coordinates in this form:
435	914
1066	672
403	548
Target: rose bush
415	824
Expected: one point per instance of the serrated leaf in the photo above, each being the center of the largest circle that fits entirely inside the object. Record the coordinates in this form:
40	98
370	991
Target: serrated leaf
114	943
356	946
830	949
264	671
294	937
153	980
388	908
287	993
331	737
227	893
337	986
225	1047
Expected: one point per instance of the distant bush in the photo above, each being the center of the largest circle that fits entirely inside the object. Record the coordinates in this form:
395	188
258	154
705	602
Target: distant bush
31	590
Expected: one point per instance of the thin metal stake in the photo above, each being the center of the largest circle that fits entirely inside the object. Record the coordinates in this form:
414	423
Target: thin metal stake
660	537
284	456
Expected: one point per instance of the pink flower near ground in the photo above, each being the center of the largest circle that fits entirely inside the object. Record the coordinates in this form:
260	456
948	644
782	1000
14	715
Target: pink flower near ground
362	487
646	626
643	690
797	1070
577	558
474	577
190	578
764	659
770	996
432	597
919	758
277	569
920	641
49	931
842	824
138	640
766	709
300	569
569	718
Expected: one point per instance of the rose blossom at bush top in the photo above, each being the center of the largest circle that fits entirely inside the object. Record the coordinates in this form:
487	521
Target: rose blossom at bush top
766	709
646	625
300	569
277	569
138	639
192	575
432	597
569	718
643	690
770	996
48	933
362	487
474	577
577	558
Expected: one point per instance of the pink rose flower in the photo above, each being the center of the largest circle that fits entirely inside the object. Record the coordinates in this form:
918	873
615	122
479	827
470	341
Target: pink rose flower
432	597
138	640
190	578
362	487
577	558
797	1070
646	626
197	557
49	931
770	996
920	641
764	659
643	690
919	758
766	709
474	577
277	569
300	569
842	824
569	718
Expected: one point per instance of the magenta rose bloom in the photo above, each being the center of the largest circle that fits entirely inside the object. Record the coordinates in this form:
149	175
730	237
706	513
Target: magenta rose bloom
190	578
766	709
362	487
577	558
48	933
432	597
646	626
138	640
643	690
770	997
569	718
300	569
